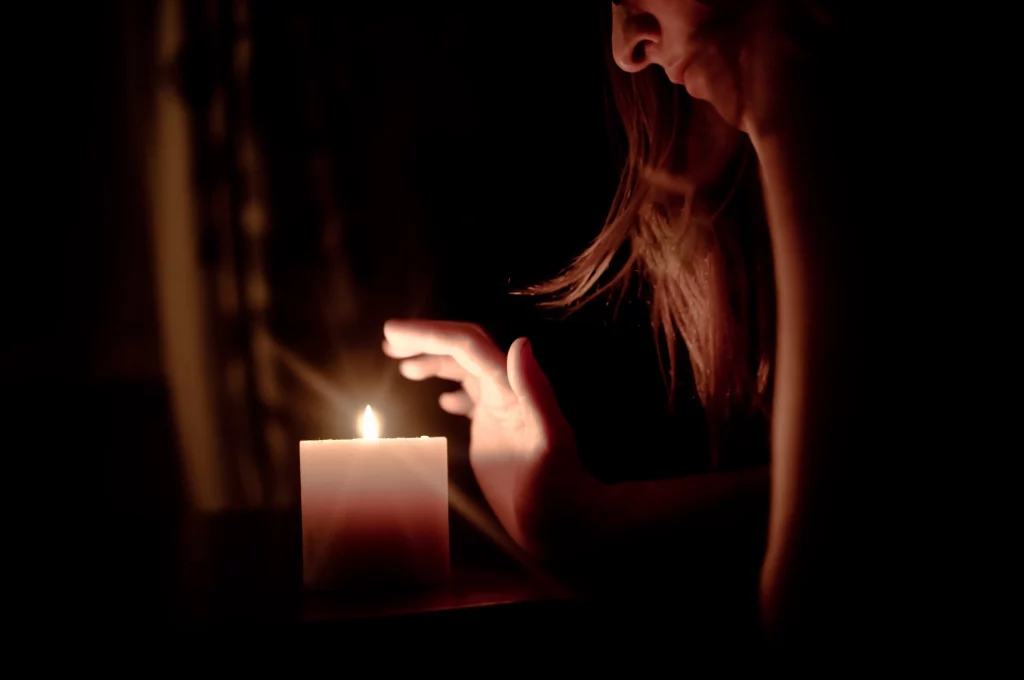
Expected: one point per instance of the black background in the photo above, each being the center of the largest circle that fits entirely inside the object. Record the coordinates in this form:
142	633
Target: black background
472	154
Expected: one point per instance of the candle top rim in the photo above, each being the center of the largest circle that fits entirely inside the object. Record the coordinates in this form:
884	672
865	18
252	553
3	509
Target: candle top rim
377	439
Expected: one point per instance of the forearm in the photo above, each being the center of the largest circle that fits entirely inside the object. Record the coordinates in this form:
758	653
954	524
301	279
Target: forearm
718	500
661	516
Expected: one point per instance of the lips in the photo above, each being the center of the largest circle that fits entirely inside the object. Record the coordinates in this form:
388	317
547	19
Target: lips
677	72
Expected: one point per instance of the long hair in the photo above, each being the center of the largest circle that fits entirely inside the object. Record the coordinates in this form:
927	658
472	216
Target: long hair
689	220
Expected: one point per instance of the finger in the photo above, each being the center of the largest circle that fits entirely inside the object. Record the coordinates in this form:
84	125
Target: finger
445	368
432	366
467	343
532	388
457	403
391	351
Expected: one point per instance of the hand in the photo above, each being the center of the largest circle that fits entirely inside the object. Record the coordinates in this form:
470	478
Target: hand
522	450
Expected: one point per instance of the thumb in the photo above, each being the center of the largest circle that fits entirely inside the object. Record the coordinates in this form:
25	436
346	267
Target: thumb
532	387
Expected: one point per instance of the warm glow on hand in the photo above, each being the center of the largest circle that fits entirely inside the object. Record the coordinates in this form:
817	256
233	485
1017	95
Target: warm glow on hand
369	426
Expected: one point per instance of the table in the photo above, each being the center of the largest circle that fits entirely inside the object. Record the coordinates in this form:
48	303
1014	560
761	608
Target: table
242	570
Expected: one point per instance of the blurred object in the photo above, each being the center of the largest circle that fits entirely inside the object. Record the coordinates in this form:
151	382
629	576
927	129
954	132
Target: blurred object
212	220
180	280
207	317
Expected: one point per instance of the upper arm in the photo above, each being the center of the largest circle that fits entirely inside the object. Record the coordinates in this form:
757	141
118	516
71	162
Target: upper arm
815	394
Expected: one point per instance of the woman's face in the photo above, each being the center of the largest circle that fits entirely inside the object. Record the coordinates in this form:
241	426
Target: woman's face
687	40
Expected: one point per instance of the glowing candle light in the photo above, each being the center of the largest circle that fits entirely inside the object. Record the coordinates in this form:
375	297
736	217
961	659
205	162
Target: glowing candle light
374	510
369	426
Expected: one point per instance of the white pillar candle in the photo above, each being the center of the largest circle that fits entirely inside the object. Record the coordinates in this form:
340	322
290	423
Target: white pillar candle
374	511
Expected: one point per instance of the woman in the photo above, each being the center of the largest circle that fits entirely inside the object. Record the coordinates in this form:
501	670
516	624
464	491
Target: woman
717	98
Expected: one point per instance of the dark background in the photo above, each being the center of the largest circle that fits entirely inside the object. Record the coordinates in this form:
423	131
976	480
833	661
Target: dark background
418	162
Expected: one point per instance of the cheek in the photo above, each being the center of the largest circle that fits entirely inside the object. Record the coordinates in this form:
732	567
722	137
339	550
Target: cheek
713	80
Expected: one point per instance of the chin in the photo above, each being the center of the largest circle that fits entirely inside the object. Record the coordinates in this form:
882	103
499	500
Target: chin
720	90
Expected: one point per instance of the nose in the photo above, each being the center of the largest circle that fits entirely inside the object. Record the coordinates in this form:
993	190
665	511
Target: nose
636	39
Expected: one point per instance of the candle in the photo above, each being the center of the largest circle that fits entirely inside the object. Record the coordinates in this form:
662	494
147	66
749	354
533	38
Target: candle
374	511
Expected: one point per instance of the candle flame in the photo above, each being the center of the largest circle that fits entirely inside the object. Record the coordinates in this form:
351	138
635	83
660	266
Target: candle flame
369	426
